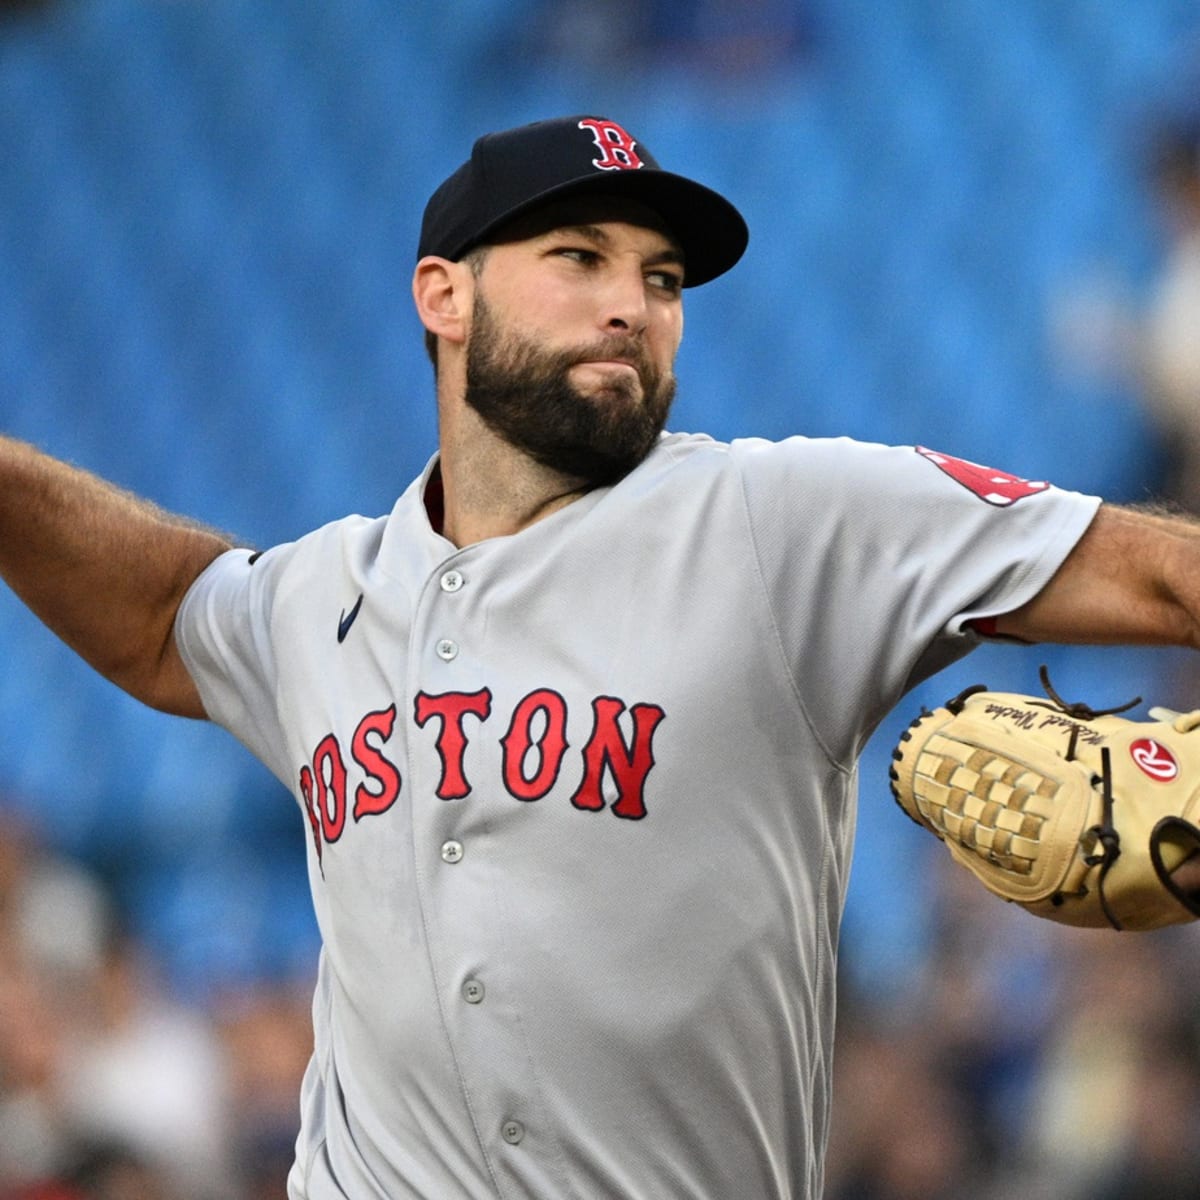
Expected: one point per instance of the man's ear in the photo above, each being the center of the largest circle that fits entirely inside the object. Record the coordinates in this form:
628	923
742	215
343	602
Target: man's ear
443	292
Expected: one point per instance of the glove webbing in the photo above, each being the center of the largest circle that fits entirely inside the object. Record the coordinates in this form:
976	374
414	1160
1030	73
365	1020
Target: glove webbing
1105	833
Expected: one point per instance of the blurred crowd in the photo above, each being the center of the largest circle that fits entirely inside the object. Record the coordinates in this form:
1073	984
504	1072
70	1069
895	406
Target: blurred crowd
1027	1061
1143	336
111	1088
1018	1061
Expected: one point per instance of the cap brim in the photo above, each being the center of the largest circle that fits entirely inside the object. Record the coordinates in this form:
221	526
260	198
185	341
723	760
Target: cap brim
711	232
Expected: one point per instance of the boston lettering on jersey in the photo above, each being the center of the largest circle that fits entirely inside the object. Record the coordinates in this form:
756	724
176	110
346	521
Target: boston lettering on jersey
531	755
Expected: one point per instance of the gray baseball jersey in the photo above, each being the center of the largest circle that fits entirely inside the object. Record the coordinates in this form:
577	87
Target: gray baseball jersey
580	802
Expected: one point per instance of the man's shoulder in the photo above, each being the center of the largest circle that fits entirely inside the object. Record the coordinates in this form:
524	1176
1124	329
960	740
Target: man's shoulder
704	452
349	544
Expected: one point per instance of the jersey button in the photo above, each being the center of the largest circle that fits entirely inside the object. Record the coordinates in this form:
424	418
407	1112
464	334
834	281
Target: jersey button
447	650
452	581
452	851
512	1132
472	991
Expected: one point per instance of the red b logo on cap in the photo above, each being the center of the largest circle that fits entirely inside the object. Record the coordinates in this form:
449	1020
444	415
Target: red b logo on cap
616	147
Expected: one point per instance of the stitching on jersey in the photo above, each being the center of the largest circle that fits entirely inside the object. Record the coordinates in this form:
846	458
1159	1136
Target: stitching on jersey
830	758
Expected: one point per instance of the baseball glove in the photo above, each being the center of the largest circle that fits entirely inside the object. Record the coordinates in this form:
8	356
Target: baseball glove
1079	816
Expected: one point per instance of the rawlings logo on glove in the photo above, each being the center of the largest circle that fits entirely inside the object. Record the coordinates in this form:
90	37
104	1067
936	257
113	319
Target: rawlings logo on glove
1080	816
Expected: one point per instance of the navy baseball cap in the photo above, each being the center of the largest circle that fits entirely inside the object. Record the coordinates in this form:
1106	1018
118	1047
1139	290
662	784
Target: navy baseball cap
515	171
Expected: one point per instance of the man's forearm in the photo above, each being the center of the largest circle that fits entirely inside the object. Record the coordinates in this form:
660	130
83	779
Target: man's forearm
1132	579
103	569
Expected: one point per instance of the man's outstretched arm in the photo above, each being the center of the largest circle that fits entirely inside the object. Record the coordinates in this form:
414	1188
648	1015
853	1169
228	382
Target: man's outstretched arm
1133	578
103	569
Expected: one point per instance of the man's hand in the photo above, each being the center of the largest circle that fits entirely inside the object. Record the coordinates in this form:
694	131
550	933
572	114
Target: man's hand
1187	875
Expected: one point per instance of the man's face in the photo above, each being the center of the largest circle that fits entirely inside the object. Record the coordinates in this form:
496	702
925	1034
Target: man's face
573	338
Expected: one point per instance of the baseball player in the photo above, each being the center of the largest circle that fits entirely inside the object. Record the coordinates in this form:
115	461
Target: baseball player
574	727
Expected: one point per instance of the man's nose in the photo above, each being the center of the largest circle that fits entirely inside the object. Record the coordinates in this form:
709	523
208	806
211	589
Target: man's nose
625	302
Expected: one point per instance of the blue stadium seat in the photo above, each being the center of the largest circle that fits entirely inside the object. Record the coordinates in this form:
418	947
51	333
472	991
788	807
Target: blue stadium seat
208	226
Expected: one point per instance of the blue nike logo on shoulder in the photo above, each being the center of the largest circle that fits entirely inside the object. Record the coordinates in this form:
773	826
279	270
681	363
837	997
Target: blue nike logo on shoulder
347	618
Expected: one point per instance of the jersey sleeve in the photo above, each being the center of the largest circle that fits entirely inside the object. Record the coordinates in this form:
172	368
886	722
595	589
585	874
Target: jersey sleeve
876	559
223	631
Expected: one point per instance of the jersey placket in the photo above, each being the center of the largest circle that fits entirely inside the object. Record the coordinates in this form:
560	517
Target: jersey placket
457	878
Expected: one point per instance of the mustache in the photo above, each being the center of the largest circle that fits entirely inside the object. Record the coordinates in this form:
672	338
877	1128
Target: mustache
617	345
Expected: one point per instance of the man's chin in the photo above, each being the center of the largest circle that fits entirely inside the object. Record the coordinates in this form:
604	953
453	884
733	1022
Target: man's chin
591	467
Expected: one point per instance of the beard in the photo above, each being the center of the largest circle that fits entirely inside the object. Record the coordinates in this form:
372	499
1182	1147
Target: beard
523	393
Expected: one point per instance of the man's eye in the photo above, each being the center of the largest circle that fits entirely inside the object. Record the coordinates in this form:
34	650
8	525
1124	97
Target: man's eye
578	254
667	281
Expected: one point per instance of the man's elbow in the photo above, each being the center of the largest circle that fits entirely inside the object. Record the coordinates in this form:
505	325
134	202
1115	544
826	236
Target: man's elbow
160	681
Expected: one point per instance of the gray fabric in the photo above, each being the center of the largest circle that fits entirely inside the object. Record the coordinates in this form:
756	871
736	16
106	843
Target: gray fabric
621	982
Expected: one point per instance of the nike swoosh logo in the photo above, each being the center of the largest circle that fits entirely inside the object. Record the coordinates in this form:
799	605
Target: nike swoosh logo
347	618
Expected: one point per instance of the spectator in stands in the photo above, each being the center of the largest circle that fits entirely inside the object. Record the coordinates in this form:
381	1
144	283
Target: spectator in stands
1170	341
108	1090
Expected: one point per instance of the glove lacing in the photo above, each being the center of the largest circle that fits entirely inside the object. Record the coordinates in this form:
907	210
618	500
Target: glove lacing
1105	834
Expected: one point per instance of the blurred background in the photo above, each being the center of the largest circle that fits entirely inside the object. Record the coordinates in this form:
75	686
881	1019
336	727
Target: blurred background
975	225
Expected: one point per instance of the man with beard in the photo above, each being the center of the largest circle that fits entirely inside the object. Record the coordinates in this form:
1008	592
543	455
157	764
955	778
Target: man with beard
574	728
